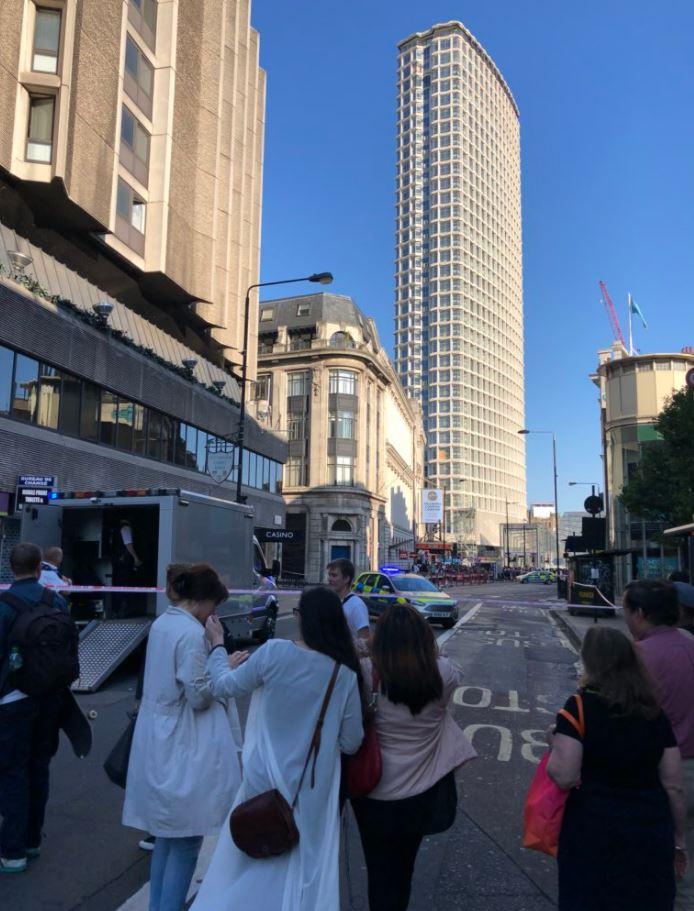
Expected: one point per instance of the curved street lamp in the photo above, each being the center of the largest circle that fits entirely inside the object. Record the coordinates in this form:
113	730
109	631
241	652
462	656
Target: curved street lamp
320	278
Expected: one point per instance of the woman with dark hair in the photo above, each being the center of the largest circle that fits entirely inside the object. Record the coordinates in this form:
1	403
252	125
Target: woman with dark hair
184	767
617	843
289	682
421	746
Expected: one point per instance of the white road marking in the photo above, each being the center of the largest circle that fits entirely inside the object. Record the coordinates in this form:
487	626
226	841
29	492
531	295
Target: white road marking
444	637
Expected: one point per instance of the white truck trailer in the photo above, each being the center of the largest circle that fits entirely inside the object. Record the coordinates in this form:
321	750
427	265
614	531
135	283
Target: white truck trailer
167	526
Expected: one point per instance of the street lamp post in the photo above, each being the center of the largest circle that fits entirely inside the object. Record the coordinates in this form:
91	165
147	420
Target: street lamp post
322	278
525	432
592	484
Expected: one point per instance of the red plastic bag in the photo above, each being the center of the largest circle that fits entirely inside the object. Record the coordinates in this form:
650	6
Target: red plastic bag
544	811
545	803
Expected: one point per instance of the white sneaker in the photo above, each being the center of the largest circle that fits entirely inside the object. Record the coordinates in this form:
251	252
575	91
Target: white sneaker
147	844
17	865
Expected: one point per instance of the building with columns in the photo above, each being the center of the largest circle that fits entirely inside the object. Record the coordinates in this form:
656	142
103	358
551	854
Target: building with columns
354	472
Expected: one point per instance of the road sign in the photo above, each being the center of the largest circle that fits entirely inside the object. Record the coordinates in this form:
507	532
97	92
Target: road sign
594	504
689	378
432	506
220	465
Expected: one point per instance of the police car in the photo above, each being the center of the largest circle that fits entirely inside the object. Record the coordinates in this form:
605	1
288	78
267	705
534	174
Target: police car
391	585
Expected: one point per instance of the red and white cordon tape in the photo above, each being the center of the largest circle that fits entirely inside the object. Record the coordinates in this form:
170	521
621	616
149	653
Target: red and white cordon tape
150	590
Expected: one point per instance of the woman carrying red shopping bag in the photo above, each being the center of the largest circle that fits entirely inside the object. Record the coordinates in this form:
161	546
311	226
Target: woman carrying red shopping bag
625	810
546	801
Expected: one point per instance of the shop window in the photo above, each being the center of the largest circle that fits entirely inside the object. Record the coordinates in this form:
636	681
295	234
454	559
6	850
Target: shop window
46	41
40	131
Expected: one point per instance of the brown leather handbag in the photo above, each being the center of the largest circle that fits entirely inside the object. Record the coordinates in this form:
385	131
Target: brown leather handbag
264	826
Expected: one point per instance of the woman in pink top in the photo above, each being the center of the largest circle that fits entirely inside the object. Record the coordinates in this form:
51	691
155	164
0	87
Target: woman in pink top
421	746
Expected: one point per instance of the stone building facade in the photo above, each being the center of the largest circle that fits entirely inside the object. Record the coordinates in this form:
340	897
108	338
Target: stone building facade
131	144
137	127
354	472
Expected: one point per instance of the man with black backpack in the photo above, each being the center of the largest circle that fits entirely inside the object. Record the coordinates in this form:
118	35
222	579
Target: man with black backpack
38	661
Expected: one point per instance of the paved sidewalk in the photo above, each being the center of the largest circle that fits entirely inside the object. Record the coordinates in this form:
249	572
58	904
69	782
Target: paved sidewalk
576	627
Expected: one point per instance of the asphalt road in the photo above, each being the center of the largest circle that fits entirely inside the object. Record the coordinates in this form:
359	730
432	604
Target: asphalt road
518	669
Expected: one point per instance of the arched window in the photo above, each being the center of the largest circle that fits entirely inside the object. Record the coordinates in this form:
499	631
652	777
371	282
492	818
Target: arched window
341	340
341	525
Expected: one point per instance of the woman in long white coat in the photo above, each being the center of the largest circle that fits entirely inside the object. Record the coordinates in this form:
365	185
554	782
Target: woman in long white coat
288	681
184	768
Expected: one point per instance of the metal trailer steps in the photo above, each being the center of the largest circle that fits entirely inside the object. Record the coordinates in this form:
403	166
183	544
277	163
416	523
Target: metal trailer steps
104	645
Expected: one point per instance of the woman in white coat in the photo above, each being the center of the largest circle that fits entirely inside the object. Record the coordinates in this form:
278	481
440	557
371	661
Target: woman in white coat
184	768
288	681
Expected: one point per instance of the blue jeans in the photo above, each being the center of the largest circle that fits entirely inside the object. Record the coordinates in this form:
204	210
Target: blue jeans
173	865
29	730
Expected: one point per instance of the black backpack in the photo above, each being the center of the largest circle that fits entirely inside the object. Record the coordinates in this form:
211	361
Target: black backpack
48	642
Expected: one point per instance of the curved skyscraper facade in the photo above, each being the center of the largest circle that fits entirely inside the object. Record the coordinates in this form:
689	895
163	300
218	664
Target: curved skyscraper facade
459	296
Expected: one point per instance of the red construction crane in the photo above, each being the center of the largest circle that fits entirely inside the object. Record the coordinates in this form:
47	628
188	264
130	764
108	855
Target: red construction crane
612	313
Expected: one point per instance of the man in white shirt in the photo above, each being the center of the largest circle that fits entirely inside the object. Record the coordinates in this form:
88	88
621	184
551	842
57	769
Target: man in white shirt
50	568
340	578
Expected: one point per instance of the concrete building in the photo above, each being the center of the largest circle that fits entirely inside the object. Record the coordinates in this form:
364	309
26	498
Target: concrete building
459	300
354	471
633	392
137	126
130	173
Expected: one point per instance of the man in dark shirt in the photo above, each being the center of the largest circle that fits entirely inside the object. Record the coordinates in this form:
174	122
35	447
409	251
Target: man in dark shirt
29	727
651	611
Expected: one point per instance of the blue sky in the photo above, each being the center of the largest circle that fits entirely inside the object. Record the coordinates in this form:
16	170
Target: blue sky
606	94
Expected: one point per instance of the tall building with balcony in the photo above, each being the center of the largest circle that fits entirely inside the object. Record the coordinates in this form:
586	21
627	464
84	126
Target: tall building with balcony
131	143
354	471
459	301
